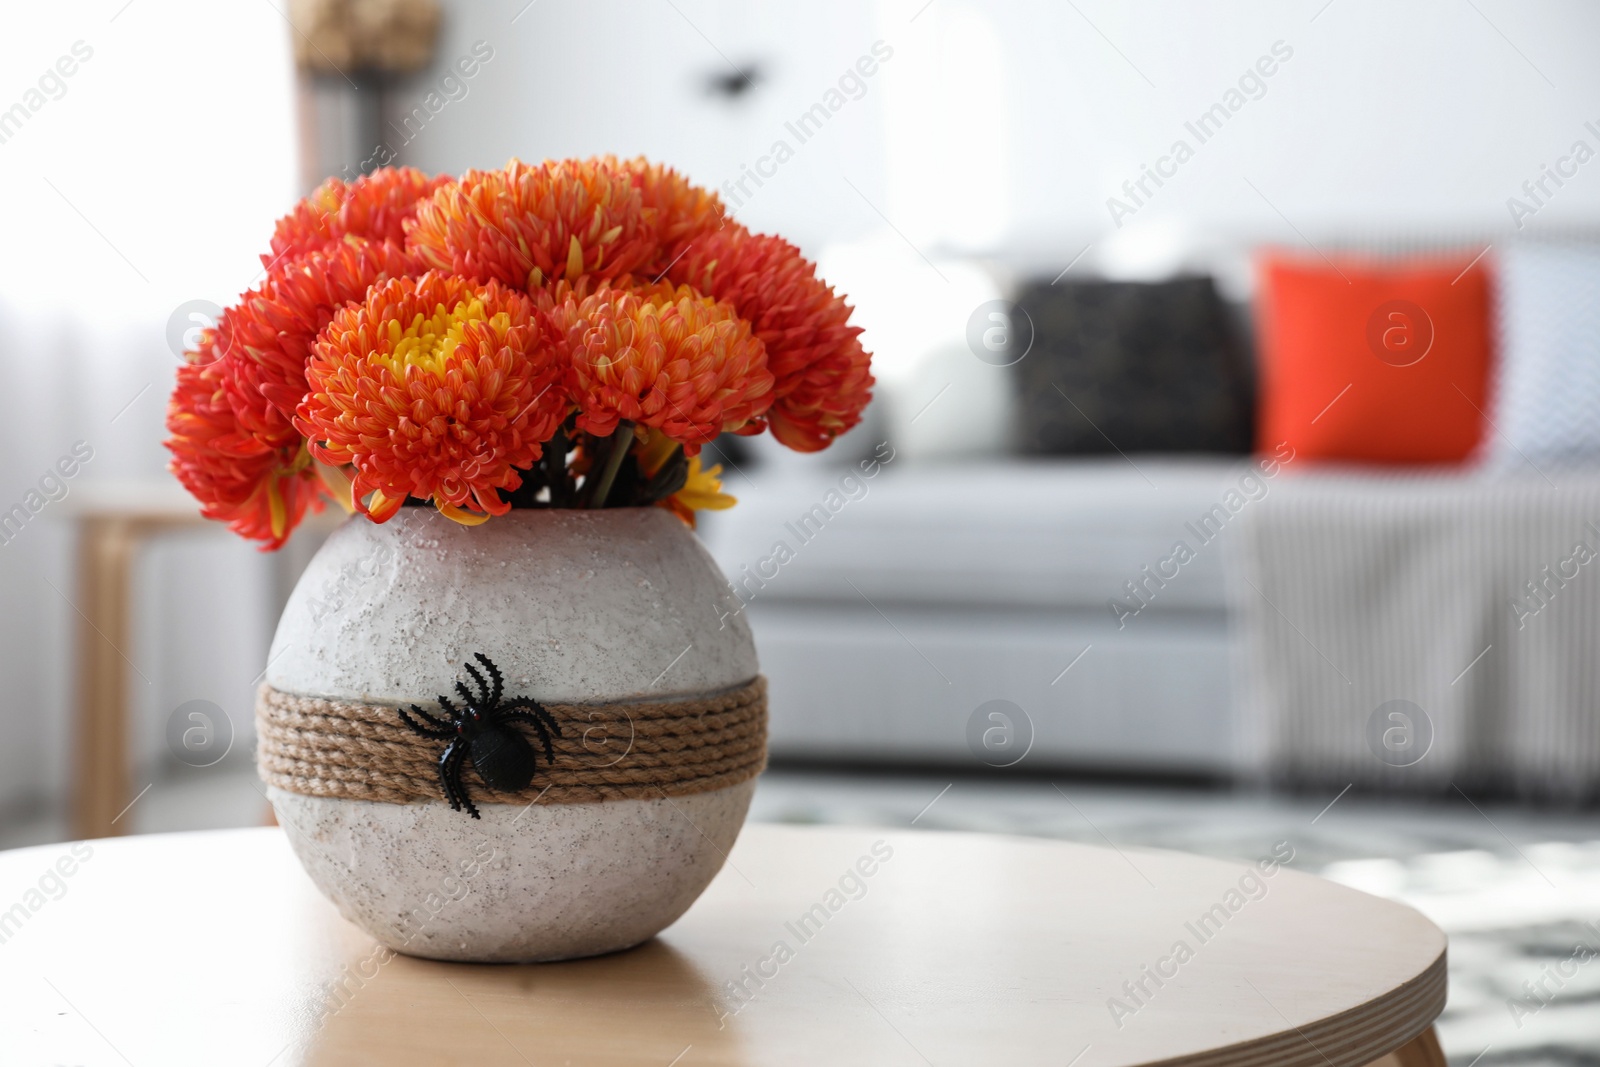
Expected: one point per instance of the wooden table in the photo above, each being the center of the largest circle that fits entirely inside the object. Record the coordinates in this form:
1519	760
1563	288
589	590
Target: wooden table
214	948
114	522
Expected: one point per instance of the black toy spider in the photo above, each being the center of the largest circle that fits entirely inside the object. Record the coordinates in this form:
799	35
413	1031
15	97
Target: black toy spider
482	729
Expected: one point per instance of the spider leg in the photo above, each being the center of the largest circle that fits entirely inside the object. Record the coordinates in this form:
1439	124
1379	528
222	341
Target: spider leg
538	728
541	721
450	776
533	706
499	682
436	729
447	762
483	687
462	689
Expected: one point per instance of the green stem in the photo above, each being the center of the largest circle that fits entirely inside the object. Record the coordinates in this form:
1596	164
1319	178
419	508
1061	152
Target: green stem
621	441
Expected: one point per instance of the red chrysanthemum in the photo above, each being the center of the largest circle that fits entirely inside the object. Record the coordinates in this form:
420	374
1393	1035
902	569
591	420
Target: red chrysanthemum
375	206
677	211
435	388
662	356
528	226
276	323
823	375
233	451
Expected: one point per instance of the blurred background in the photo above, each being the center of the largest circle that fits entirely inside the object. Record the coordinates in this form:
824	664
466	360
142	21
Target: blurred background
1235	432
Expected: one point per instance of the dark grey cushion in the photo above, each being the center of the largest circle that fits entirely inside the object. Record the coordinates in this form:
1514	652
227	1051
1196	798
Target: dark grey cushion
1133	367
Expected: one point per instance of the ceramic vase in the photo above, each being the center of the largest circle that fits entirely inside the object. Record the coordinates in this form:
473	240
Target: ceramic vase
587	609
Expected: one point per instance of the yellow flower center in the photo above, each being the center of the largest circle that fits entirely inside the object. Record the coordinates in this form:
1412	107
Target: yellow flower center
431	340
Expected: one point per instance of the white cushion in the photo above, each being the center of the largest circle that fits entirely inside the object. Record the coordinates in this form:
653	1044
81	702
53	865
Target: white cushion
952	407
1049	533
1548	388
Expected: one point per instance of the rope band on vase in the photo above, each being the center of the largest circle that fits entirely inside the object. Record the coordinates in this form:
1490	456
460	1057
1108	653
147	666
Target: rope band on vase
619	751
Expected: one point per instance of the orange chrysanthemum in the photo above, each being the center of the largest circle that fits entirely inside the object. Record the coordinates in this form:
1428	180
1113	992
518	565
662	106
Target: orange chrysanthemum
435	388
665	357
375	206
275	324
677	211
350	371
528	226
234	452
823	375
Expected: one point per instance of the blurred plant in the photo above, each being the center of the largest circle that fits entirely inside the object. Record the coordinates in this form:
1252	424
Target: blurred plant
343	36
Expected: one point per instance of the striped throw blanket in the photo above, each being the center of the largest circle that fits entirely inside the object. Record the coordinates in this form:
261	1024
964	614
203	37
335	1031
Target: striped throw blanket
1424	631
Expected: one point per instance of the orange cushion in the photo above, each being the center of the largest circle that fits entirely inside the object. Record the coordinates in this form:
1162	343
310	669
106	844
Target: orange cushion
1381	363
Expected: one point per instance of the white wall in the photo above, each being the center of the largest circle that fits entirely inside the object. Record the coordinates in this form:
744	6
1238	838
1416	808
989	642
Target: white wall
1003	127
569	79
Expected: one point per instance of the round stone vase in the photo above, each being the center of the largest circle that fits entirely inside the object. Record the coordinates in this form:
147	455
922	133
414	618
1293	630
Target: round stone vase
618	623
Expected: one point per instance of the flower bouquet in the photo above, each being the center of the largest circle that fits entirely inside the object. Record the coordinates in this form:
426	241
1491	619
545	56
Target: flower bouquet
563	702
554	336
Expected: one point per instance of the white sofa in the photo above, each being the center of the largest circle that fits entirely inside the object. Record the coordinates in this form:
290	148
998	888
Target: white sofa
915	596
1303	613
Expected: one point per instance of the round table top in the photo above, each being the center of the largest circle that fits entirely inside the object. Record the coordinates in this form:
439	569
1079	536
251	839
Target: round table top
813	945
